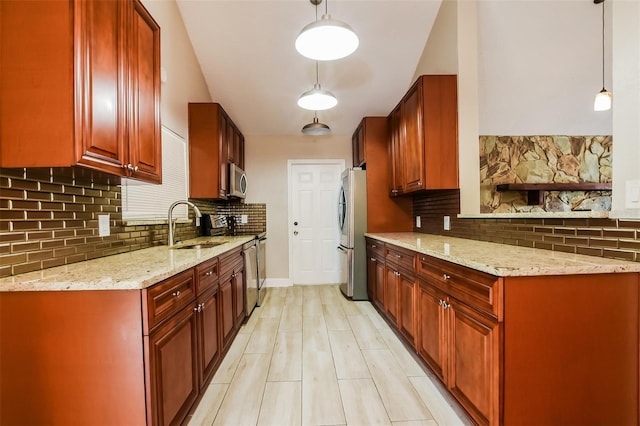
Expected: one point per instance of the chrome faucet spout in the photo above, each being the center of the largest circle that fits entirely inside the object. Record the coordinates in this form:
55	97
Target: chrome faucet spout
196	210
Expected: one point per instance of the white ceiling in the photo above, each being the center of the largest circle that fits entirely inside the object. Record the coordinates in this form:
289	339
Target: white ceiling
247	54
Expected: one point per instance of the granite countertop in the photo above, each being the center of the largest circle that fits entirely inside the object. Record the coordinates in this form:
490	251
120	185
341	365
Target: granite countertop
127	271
504	260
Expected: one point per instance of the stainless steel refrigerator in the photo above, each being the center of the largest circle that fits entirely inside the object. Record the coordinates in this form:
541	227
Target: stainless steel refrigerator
352	221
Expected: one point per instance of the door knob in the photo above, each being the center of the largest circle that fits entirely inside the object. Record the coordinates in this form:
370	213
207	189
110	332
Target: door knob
295	232
295	223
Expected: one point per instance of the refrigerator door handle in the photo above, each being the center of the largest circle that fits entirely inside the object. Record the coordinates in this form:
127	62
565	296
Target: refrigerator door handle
342	249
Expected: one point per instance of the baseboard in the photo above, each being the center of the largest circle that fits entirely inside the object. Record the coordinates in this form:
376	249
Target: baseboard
278	282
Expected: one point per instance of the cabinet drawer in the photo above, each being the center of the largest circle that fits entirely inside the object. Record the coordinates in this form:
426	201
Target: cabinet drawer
400	257
206	275
168	296
375	248
477	289
230	261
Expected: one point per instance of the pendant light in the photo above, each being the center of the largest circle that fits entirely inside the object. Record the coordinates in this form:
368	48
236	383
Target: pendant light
316	128
603	99
317	99
327	39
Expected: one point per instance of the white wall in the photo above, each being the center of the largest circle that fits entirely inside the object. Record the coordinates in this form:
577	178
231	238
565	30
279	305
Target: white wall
185	82
266	163
626	104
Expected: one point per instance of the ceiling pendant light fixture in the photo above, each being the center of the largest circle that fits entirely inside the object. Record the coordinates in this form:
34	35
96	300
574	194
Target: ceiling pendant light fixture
316	128
326	39
603	99
317	99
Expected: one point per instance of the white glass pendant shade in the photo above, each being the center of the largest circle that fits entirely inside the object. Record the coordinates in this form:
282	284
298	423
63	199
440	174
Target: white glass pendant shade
603	100
327	40
316	128
317	99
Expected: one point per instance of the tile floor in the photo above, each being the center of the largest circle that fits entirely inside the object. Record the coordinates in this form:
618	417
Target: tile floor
309	356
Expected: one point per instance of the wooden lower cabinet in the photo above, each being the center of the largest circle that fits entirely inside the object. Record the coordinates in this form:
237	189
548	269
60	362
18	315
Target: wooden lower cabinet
173	365
523	350
209	344
226	312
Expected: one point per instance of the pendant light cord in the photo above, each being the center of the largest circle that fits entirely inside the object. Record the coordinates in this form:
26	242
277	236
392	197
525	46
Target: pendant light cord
602	44
317	82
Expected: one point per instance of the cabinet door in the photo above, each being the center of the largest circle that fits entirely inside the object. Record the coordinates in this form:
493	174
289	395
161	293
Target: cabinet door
396	177
226	310
208	335
357	146
145	148
407	287
372	265
239	296
474	362
391	292
173	368
413	141
431	340
101	80
224	124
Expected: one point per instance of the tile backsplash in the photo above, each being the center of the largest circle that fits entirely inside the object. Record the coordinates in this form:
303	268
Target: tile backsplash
49	217
612	238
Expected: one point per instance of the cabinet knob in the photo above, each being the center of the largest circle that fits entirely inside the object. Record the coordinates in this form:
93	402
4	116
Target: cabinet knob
445	276
373	246
419	183
373	259
233	275
176	293
209	273
398	256
396	273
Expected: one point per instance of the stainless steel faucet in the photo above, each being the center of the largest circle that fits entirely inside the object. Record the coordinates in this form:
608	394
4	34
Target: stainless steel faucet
188	203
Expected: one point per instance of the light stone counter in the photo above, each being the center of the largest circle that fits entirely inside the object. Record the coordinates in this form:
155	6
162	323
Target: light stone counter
505	260
127	271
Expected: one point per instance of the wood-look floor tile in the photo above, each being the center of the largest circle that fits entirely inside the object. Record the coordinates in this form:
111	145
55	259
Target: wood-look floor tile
417	423
347	356
311	304
367	309
250	324
366	334
349	307
329	295
406	361
294	295
334	317
241	404
314	335
321	403
230	362
291	319
281	404
399	396
437	403
208	407
362	403
286	363
273	309
263	337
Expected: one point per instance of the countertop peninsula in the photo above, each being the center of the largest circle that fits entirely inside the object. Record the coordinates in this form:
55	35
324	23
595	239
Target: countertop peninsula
133	270
504	260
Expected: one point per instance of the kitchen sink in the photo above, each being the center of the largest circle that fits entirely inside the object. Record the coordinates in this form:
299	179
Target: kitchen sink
197	246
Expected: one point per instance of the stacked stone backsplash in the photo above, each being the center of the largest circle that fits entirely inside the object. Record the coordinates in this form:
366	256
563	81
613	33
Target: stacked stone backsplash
544	159
612	238
49	217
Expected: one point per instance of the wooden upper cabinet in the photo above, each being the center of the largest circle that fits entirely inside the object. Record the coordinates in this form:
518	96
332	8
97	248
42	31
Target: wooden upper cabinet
81	86
424	136
214	142
357	146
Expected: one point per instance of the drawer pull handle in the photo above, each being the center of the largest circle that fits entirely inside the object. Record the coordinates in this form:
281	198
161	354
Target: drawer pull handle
398	256
176	293
373	259
445	276
209	273
373	246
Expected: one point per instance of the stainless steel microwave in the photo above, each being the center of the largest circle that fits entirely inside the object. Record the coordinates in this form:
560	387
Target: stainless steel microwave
237	182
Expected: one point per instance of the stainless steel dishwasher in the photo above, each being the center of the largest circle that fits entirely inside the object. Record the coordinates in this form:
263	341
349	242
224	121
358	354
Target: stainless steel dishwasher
250	251
261	247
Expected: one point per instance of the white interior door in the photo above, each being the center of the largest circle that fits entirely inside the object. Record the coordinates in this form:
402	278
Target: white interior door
313	222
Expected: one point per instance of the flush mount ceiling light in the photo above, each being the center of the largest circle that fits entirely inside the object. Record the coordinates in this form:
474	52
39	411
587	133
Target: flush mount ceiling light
326	39
603	99
316	128
317	99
